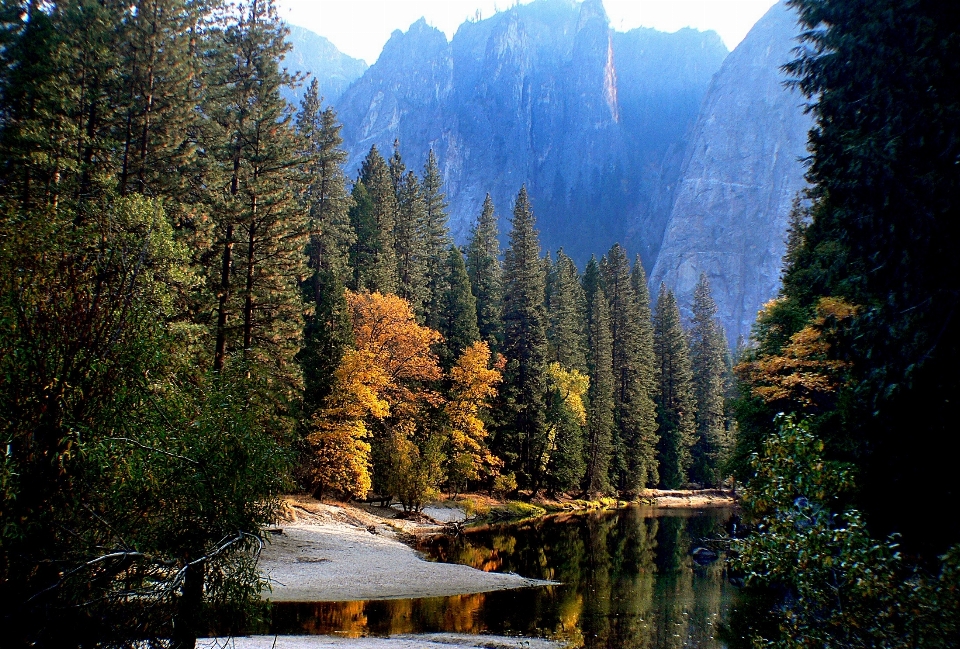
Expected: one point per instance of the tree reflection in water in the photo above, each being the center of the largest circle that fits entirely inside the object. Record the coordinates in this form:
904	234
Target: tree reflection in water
629	581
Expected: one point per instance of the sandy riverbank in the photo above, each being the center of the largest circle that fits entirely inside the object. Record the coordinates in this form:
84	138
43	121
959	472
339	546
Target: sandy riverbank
421	641
338	553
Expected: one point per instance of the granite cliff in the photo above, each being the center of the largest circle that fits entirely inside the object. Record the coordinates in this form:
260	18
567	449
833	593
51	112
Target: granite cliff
547	94
740	175
333	69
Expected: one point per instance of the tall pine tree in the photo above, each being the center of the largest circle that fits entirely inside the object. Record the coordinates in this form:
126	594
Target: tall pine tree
675	398
373	254
458	316
412	262
522	438
600	412
632	467
436	237
566	309
327	330
486	276
647	410
708	351
262	228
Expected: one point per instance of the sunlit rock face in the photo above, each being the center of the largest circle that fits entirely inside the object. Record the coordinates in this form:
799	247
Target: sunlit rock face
741	172
333	69
546	94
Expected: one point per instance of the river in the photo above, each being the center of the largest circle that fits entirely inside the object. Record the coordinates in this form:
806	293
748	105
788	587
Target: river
630	579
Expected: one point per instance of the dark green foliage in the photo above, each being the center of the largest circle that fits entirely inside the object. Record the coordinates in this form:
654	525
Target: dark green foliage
633	466
436	237
600	412
327	330
109	452
815	576
261	227
458	317
675	397
373	255
708	350
412	259
483	266
521	439
566	466
647	407
566	310
882	234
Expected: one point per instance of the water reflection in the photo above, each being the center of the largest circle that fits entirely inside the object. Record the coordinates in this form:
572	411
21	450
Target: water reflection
629	581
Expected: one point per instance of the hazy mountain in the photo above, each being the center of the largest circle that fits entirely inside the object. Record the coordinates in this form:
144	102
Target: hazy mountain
333	69
740	175
592	120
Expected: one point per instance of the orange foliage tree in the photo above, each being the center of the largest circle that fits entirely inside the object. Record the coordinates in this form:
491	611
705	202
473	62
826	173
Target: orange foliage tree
804	372
385	426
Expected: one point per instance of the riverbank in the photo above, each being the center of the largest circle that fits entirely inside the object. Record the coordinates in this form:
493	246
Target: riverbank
419	641
343	552
338	552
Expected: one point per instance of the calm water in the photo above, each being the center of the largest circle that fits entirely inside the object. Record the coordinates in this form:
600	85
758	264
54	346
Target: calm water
629	581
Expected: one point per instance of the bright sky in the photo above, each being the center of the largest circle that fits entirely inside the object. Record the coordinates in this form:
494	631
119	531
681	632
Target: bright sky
361	27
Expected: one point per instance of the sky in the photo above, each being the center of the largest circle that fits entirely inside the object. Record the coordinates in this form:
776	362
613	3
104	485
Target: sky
360	28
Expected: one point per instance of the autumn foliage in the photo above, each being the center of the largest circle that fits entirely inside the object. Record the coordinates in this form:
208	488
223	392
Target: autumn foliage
387	424
804	372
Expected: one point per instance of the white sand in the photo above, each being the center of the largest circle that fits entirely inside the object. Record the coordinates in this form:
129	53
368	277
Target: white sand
423	641
331	553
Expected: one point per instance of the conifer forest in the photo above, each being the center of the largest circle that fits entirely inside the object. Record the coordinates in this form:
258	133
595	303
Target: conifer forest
203	309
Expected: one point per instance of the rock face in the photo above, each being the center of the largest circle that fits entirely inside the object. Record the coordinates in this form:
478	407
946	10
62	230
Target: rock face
592	120
333	69
740	175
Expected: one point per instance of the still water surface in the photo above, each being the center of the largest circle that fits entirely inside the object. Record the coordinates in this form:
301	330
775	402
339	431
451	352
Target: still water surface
628	578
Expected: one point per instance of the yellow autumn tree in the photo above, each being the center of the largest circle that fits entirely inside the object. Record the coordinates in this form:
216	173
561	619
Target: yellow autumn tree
404	452
338	432
804	372
473	385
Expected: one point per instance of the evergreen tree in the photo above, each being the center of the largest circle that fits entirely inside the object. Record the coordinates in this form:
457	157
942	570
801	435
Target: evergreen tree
486	281
327	330
633	464
566	309
412	261
373	255
675	398
436	237
523	434
647	408
458	317
708	351
262	228
600	413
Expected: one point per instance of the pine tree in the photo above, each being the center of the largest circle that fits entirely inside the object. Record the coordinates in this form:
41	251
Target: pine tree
647	407
262	228
632	467
486	280
327	330
458	316
566	308
436	237
408	238
708	361
373	254
523	433
600	413
675	399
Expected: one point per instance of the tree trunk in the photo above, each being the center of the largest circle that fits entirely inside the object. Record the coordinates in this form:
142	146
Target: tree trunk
188	618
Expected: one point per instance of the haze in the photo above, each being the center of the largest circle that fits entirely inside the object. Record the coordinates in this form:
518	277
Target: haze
361	27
